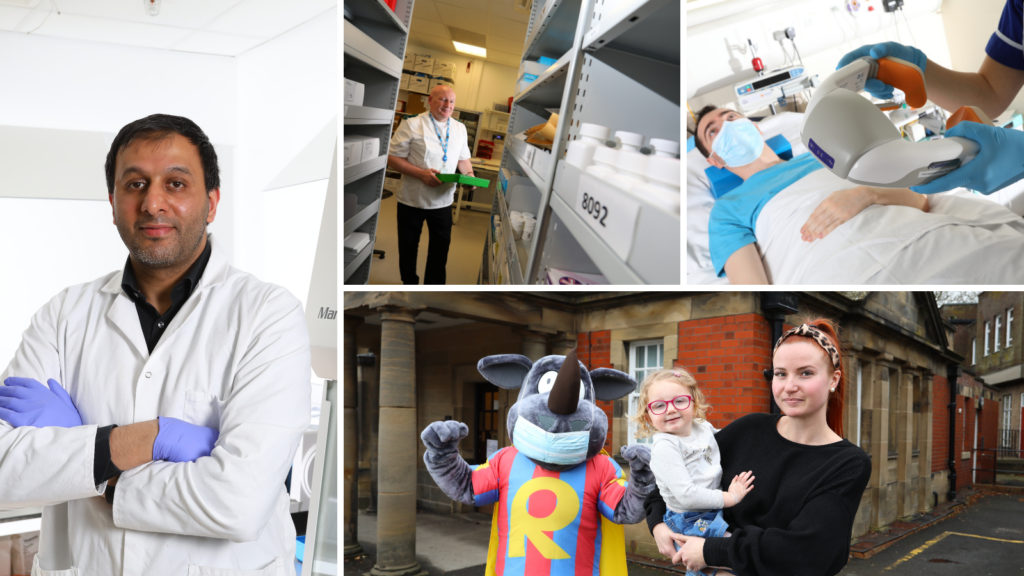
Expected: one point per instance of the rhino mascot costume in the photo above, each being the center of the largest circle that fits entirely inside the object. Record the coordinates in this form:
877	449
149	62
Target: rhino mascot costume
560	499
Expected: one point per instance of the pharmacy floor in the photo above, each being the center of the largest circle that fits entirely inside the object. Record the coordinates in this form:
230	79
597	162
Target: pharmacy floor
464	255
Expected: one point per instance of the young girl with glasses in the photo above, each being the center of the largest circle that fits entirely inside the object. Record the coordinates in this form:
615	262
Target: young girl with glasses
685	457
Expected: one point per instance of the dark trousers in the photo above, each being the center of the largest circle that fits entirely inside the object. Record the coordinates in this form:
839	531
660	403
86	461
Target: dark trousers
410	226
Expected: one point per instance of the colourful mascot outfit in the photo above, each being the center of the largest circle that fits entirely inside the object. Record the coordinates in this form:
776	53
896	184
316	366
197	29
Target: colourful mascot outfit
560	499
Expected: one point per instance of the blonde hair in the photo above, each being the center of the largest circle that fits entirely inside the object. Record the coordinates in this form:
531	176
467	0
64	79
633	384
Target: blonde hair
644	427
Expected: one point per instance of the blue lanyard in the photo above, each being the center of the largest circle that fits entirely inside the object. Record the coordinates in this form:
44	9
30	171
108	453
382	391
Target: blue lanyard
447	132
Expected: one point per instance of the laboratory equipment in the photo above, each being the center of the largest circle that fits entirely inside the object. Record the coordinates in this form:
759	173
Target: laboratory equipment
771	87
853	138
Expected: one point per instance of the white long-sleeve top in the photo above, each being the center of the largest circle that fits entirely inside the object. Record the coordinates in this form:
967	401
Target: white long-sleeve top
688	470
237	358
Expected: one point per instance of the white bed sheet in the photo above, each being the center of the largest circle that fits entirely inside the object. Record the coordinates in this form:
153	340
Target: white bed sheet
792	261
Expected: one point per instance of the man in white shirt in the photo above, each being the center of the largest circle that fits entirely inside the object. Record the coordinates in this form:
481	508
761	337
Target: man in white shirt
424	145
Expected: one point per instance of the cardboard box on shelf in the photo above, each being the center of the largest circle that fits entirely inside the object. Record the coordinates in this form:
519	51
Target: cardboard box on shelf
353	93
353	151
445	69
425	65
419	84
409	61
440	82
404	82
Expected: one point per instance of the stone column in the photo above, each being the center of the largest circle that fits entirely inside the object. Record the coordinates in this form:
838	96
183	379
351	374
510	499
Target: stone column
535	344
879	446
351	455
562	343
925	501
904	444
396	499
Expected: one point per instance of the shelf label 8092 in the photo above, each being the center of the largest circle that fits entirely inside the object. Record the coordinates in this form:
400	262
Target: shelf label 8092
610	212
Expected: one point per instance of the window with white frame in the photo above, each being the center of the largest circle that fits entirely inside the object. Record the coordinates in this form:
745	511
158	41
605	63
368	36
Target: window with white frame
1009	326
987	330
995	338
974	351
645	357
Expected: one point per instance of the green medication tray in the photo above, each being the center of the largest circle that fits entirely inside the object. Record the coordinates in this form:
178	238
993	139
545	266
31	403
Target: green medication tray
464	180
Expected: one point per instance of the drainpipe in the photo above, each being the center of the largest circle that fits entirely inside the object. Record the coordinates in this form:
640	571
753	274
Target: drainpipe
953	372
774	307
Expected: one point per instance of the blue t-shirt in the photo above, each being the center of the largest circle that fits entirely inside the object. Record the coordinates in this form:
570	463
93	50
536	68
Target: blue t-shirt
1005	46
734	215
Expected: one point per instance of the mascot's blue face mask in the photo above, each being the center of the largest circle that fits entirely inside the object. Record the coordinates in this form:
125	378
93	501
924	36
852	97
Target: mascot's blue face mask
564	448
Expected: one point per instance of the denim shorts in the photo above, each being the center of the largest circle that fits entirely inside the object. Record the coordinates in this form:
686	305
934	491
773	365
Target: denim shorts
702	524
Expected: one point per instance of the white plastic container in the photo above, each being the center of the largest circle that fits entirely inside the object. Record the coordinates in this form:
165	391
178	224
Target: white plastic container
663	182
528	228
631	170
353	93
581	151
604	162
629	141
664	148
518	223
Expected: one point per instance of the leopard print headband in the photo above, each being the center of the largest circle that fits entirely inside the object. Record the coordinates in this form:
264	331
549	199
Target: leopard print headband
815	334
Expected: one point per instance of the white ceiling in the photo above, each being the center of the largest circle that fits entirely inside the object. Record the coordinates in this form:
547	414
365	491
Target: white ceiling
220	27
504	27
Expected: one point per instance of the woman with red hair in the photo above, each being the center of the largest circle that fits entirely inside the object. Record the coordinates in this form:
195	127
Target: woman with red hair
798	519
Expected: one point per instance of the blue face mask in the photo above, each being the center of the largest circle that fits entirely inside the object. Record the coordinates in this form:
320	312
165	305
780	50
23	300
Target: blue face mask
738	143
539	444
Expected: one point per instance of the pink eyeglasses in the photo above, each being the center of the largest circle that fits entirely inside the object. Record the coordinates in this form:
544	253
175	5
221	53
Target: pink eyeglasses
659	407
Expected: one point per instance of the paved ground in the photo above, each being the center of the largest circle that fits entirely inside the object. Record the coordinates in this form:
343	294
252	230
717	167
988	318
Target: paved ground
985	538
447	545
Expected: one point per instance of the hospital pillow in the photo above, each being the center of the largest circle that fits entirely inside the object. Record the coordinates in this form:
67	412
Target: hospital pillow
699	198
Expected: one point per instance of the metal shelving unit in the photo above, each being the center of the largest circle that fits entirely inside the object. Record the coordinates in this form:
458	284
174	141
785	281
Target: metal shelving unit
617	65
375	40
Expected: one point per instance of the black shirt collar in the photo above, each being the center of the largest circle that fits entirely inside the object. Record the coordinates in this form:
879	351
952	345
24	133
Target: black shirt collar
181	291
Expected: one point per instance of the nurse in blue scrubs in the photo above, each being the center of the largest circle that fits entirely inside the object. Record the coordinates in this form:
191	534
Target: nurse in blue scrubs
991	88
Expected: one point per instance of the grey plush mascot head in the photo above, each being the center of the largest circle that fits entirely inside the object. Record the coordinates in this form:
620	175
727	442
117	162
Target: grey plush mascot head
558	394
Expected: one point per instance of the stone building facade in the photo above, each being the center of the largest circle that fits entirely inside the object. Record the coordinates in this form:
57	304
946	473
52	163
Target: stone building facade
414	360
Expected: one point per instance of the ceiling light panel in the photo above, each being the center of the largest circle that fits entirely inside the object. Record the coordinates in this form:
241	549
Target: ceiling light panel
470	49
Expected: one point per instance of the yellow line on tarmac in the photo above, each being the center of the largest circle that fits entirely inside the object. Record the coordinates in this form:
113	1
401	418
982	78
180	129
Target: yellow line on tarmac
933	541
918	550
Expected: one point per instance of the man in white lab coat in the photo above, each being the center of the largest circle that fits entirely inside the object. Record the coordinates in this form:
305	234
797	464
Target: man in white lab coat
187	389
424	145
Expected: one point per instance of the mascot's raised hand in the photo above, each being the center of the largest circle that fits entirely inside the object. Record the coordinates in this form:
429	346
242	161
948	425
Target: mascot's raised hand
448	469
641	482
558	498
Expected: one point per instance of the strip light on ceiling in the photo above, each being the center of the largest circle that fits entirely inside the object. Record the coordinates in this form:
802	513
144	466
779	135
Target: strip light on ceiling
470	49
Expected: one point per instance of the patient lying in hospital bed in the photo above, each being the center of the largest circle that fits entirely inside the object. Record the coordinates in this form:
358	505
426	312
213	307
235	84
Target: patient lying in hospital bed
770	228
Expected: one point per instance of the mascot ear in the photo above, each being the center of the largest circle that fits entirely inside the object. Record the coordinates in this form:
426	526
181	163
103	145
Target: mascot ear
505	370
611	384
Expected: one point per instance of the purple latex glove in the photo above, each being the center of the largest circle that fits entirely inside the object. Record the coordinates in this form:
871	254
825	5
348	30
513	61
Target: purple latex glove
26	402
180	441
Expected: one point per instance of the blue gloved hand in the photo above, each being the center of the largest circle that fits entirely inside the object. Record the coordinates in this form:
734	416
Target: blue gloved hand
180	441
26	402
999	163
876	87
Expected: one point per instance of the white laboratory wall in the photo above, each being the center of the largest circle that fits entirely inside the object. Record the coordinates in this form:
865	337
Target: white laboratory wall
48	245
484	83
68	86
287	94
719	56
290	245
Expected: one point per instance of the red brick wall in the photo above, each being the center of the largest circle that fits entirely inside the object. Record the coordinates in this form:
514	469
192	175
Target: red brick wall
940	424
727	355
594	350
